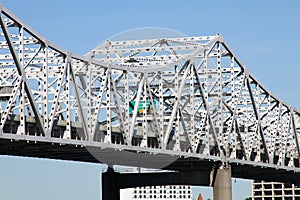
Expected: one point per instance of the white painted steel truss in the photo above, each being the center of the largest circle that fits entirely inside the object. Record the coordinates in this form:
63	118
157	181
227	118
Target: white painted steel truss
189	95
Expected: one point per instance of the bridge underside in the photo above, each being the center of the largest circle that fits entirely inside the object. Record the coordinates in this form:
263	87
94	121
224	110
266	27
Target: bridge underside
78	153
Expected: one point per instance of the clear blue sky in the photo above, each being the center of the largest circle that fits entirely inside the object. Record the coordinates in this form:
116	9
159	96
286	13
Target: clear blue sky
263	34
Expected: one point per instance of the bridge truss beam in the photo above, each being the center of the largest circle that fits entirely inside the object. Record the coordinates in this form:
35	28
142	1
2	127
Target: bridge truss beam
187	96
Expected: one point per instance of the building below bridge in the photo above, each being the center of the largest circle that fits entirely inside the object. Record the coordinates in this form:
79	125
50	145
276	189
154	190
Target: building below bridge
170	192
262	190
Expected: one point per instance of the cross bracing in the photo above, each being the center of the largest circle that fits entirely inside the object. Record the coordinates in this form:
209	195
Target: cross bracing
188	96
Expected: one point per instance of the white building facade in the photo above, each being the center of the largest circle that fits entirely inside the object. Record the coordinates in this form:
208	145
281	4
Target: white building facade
169	192
262	190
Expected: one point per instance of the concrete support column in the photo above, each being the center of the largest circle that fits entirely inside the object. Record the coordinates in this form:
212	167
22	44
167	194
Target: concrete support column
110	185
222	185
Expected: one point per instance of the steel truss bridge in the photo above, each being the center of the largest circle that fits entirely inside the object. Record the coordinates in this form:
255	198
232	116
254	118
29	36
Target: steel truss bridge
182	104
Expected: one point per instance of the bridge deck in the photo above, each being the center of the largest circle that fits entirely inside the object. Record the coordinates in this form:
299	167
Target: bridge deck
78	153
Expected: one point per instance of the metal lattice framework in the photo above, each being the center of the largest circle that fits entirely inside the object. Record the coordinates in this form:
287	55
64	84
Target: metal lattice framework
189	96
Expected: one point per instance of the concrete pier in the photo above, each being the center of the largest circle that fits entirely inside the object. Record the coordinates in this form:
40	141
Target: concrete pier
110	185
222	189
